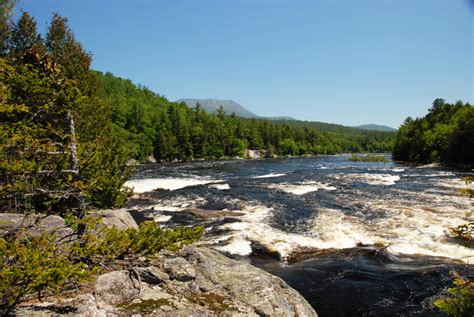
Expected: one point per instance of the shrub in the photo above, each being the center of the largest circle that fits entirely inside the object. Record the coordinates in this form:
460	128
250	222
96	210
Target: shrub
43	264
464	232
368	158
114	244
34	265
468	191
460	299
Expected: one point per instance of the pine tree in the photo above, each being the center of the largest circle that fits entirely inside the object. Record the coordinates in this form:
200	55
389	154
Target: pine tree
102	155
6	8
70	55
24	37
37	139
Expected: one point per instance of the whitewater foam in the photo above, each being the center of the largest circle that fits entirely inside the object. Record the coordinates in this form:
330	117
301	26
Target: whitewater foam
405	225
162	218
376	179
253	227
413	218
146	185
220	186
398	170
271	175
301	189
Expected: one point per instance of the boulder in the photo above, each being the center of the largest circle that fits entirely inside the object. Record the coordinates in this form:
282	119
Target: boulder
255	154
51	223
207	214
152	275
35	224
120	218
10	222
115	287
179	269
266	294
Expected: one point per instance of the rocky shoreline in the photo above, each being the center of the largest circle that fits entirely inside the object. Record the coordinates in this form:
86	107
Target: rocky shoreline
196	281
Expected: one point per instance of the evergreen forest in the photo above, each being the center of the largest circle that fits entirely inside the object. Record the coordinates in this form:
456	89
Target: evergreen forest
173	131
445	134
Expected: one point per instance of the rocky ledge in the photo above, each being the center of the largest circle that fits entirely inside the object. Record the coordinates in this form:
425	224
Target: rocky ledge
195	281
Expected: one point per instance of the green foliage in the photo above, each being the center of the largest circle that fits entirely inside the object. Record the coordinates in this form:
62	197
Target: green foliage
34	265
38	95
24	37
465	231
445	134
74	61
6	9
368	158
112	243
42	264
460	299
34	142
468	191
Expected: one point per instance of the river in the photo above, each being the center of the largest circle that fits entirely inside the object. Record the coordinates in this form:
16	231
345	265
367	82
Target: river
355	238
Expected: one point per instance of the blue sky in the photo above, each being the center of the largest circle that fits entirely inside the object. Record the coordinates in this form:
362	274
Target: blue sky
342	61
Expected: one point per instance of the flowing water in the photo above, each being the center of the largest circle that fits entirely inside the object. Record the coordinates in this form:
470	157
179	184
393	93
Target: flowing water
355	238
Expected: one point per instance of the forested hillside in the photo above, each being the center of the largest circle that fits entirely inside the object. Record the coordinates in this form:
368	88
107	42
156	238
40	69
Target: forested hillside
152	124
445	134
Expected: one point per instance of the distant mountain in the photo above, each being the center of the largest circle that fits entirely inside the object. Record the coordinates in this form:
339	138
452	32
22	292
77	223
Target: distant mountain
211	106
375	127
279	118
230	106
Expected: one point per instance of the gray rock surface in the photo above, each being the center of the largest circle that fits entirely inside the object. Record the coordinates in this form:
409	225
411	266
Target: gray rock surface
116	287
38	223
264	293
255	154
120	218
193	282
35	224
10	222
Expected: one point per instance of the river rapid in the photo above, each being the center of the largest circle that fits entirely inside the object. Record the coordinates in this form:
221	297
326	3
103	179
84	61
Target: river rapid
354	238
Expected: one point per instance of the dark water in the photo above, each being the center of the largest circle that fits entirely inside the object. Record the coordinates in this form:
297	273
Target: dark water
376	232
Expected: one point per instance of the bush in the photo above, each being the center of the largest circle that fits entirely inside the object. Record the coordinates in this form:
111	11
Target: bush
464	232
42	264
368	158
114	244
468	191
460	299
34	265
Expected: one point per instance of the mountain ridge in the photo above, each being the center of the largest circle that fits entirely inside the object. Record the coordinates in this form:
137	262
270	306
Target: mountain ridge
211	105
375	127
